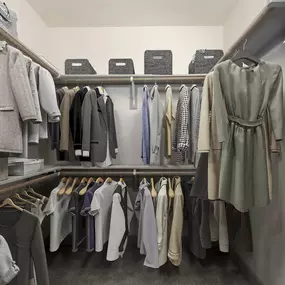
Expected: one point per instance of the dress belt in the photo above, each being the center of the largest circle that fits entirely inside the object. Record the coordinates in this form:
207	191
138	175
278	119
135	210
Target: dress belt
245	123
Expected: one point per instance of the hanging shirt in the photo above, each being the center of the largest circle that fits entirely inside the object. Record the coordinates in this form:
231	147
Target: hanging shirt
156	115
175	241
60	221
38	211
162	220
181	135
145	128
168	123
121	217
89	220
101	208
147	233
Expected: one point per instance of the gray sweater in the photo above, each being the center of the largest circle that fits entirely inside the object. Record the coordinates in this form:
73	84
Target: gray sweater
23	233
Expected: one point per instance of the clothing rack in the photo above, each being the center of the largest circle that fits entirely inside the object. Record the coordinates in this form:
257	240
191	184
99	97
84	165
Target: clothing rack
128	79
11	40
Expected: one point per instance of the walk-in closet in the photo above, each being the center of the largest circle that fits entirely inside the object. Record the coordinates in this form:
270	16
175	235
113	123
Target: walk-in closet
142	142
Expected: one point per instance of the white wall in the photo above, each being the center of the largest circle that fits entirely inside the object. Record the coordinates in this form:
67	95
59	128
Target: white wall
32	30
101	44
240	18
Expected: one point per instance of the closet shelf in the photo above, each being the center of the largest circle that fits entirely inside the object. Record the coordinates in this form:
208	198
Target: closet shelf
127	79
267	31
5	36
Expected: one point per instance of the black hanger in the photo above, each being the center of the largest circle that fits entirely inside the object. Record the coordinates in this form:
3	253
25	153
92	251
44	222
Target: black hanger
245	55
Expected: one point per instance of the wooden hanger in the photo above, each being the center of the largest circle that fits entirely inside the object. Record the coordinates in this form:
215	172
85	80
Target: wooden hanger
153	191
171	193
9	202
122	180
109	180
17	196
99	180
32	191
29	196
84	180
83	191
63	189
69	190
63	180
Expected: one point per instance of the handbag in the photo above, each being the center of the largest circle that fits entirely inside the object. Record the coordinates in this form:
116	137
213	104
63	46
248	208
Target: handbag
8	20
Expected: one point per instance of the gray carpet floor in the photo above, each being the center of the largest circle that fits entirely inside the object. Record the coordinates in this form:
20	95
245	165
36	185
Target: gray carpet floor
81	268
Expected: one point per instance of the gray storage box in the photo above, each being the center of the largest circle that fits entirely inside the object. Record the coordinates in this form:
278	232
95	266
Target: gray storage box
79	66
121	66
24	166
158	62
8	20
204	60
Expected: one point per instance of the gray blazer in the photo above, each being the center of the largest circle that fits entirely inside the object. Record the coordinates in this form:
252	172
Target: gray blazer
98	121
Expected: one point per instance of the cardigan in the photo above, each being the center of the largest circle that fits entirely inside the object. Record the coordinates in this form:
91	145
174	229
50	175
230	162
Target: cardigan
17	102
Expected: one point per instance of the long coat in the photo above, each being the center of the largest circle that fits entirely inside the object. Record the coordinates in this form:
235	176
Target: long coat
17	103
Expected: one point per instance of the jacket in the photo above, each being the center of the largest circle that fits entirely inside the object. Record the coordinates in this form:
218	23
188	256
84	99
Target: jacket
75	121
16	99
98	126
8	267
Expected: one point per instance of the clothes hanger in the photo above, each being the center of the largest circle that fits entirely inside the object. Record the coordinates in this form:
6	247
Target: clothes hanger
33	192
109	180
83	191
171	193
84	180
9	202
70	189
245	55
182	86
63	189
17	196
99	180
153	191
167	86
24	193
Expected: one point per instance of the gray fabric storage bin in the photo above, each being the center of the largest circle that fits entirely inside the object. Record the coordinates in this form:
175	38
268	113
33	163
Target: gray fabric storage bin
158	62
204	60
121	66
79	66
8	20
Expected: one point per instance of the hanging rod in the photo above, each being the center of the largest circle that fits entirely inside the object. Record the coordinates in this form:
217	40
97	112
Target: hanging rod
128	79
5	36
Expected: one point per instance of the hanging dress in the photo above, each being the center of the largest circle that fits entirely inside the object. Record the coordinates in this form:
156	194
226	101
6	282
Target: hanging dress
249	103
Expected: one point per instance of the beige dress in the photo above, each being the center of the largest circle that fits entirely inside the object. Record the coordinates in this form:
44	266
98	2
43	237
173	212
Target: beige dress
249	102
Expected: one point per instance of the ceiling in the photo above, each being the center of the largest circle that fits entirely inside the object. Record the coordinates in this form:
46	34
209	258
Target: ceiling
112	13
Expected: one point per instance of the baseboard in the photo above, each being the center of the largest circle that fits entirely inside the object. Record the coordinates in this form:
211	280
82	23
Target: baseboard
245	270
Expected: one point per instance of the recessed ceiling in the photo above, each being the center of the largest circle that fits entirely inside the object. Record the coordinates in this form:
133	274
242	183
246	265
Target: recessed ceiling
113	13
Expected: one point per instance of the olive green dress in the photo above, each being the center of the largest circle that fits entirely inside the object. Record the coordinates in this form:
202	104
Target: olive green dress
249	105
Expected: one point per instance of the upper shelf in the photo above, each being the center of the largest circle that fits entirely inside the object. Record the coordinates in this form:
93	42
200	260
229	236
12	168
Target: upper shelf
28	52
267	30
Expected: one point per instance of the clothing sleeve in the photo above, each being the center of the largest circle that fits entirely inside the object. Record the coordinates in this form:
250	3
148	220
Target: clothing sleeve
64	123
72	204
223	228
204	129
175	241
86	124
51	204
95	206
47	95
220	110
86	207
183	135
39	256
276	106
112	125
21	86
149	235
117	229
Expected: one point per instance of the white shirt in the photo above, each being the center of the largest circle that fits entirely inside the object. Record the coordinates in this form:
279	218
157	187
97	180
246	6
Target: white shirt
118	224
60	221
162	221
101	208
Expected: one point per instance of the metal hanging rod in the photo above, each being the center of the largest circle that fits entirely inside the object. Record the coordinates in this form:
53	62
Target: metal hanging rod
128	79
4	36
